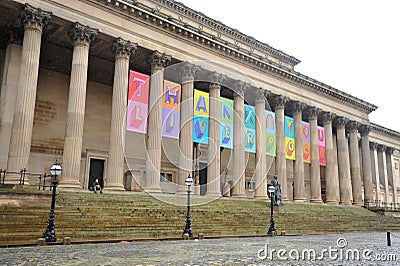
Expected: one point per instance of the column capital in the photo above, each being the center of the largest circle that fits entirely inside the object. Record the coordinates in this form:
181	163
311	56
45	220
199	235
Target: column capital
123	48
341	121
240	88
188	71
13	34
327	117
373	145
80	34
158	60
216	80
297	106
389	150
313	112
353	126
280	101
364	130
260	95
34	18
381	148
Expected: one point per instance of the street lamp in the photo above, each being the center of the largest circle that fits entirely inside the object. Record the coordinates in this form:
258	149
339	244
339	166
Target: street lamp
50	235
271	190
188	228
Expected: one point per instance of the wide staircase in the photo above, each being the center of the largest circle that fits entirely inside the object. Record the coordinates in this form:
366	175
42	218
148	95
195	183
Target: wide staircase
87	217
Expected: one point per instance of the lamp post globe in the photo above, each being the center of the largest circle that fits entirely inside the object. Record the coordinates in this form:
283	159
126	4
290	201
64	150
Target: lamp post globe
188	226
49	234
271	190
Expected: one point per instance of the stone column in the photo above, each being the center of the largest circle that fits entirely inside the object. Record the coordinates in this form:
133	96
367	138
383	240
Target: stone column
383	177
239	164
330	181
343	162
355	164
214	153
115	164
280	162
80	36
299	190
315	168
188	73
366	158
9	87
33	20
336	167
158	61
390	173
374	147
261	149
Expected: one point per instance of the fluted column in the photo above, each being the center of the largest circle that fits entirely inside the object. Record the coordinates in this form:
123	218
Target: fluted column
280	161
343	162
80	36
331	183
299	190
374	147
390	173
188	73
355	164
239	164
33	20
383	177
261	149
9	87
158	61
336	167
214	154
366	158
115	164
315	168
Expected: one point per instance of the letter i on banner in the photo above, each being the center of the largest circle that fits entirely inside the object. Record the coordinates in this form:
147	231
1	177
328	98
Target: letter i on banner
138	99
270	129
321	146
305	135
171	110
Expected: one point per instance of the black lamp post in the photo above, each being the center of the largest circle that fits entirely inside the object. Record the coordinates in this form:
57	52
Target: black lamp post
50	235
188	226
271	190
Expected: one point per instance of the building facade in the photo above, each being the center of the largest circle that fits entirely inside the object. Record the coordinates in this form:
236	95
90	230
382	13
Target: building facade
66	95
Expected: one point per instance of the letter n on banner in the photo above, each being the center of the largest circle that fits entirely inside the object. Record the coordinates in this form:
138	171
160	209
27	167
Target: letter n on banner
305	135
138	98
249	128
289	138
171	110
226	123
321	146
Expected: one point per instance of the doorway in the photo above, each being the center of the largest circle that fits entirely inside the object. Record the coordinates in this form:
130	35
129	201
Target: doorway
96	171
203	179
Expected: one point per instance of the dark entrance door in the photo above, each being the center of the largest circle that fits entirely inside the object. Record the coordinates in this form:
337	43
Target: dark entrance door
96	172
203	179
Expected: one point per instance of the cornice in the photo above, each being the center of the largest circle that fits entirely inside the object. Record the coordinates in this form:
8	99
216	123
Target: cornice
385	131
133	8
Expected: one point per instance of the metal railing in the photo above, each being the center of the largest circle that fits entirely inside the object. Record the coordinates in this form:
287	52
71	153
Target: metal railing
42	182
381	205
3	173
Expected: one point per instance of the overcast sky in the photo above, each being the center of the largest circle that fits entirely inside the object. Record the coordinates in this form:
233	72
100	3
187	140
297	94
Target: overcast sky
351	45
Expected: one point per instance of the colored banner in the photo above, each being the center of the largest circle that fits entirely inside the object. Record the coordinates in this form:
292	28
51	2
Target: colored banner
249	128
289	138
201	103
321	146
270	132
171	110
305	135
200	129
138	97
226	123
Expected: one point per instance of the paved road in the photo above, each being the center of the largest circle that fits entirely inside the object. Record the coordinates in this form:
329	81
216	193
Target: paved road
339	249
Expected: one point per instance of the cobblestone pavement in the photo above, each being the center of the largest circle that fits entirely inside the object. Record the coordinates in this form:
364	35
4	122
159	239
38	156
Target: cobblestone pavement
332	249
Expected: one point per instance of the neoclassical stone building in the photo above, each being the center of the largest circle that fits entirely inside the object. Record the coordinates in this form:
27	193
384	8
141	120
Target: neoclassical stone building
65	76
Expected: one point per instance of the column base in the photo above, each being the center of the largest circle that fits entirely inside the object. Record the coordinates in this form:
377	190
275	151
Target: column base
114	188
299	200
345	203
359	203
260	197
214	194
152	190
239	196
316	201
69	185
331	202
